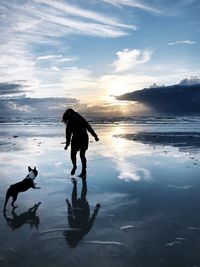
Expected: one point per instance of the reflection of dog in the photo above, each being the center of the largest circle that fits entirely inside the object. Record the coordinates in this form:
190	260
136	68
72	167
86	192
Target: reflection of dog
29	217
22	186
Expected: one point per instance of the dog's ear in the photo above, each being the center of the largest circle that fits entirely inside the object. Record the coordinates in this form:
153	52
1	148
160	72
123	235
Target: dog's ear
29	168
34	168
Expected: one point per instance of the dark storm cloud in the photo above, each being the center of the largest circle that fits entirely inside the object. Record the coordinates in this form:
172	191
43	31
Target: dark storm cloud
177	99
10	89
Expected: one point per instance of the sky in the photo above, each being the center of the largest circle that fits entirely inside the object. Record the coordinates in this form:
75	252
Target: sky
84	53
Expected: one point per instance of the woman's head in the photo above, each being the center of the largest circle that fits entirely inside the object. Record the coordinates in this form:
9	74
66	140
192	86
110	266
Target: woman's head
69	113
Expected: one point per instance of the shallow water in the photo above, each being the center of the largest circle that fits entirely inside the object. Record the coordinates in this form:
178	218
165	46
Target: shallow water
147	188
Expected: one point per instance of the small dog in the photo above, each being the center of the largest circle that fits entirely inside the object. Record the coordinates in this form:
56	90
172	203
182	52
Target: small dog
22	186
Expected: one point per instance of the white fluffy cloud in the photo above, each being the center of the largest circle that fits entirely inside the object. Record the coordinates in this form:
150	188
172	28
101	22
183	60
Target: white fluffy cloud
128	59
190	81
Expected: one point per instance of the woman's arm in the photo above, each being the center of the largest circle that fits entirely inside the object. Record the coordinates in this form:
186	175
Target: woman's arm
68	134
91	131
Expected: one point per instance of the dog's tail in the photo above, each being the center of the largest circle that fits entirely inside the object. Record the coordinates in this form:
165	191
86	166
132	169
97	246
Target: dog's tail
8	195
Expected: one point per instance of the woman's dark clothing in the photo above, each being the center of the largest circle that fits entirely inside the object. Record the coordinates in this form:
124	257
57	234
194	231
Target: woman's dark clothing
76	132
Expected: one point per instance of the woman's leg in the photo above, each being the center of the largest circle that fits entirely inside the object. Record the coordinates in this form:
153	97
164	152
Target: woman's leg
73	159
84	162
84	189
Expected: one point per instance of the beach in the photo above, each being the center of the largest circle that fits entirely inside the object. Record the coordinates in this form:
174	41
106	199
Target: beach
143	173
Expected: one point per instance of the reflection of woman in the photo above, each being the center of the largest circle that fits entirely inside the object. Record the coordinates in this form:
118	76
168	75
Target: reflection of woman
79	217
76	132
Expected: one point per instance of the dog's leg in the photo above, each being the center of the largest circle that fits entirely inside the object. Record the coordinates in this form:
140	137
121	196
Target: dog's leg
8	219
13	201
37	206
6	199
34	208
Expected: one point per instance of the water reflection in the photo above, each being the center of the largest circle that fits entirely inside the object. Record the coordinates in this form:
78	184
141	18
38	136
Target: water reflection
29	217
120	151
128	171
79	219
182	140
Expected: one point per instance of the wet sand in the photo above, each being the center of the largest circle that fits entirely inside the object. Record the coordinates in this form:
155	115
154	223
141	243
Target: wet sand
145	178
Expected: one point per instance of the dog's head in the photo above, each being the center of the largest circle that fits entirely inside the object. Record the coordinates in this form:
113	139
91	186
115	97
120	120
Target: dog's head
32	173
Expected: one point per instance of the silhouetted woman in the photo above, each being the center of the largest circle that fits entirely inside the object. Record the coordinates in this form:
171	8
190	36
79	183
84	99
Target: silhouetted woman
76	132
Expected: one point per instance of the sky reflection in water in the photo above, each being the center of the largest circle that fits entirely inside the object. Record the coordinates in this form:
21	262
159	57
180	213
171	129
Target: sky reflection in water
150	188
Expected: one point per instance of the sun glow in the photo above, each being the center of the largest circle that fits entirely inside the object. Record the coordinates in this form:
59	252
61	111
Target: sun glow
117	88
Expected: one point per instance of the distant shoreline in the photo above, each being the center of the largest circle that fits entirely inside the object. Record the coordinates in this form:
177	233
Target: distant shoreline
101	120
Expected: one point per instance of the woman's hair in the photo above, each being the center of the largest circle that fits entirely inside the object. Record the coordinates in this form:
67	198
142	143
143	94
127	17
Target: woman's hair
67	114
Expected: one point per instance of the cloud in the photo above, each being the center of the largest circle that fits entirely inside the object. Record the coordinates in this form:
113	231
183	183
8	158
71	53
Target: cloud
49	57
119	83
35	39
16	62
187	42
83	13
76	80
53	18
128	59
54	106
177	99
133	3
78	27
9	89
35	47
190	81
23	105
